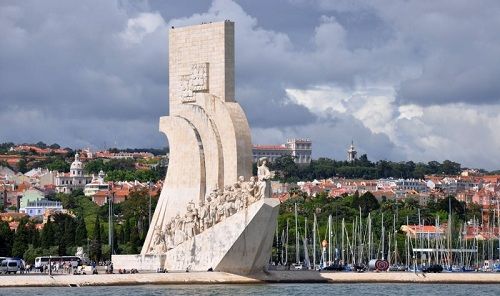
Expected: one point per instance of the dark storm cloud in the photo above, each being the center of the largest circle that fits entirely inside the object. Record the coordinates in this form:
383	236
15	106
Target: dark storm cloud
94	73
454	43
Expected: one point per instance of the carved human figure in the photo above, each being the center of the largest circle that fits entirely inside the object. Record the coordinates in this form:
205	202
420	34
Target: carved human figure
190	221
159	240
203	214
179	235
238	194
196	212
169	235
221	209
264	178
230	197
250	190
213	208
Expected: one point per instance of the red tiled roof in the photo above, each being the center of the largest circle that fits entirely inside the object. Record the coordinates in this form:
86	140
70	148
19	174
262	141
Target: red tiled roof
425	228
270	147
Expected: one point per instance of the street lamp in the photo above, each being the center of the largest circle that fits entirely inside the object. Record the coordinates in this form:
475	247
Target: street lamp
149	192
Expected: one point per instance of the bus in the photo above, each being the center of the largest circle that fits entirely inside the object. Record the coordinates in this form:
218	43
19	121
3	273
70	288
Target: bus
41	262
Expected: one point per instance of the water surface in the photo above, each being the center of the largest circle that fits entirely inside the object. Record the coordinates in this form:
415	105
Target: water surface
265	289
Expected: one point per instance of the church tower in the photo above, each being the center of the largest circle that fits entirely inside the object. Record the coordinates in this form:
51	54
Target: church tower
351	153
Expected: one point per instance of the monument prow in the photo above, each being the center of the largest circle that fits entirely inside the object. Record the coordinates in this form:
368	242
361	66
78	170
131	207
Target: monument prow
211	212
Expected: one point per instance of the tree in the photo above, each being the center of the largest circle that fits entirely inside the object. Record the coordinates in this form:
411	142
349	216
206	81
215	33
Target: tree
58	165
6	239
22	165
41	145
69	231
21	239
80	232
286	167
450	168
94	166
366	202
47	237
96	245
434	167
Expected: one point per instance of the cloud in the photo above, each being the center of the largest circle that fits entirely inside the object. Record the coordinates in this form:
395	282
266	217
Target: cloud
411	132
404	79
141	26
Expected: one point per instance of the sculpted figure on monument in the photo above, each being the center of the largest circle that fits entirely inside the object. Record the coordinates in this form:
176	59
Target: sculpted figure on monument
230	197
213	208
179	233
169	235
190	221
159	241
250	190
204	214
264	177
221	208
238	193
218	205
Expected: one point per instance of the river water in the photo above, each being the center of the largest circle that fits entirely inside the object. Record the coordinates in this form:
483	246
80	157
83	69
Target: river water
266	289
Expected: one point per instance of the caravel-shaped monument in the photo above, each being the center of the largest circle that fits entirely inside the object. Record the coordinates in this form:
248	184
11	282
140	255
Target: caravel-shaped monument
212	213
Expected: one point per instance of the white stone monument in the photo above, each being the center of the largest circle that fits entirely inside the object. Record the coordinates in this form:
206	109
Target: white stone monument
212	213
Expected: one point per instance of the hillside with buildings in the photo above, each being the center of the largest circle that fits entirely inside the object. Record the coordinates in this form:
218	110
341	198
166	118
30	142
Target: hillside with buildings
49	190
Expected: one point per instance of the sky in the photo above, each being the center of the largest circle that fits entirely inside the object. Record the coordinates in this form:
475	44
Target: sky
405	80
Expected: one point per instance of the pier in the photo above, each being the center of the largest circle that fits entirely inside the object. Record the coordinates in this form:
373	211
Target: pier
176	278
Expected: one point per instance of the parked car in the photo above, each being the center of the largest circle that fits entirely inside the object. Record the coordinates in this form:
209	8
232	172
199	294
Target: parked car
436	268
12	265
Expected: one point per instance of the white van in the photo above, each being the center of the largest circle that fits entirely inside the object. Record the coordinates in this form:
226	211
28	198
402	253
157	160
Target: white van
12	265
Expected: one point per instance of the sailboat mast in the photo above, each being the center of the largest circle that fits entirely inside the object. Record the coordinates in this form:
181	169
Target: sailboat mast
449	232
329	239
383	237
297	243
343	249
314	242
370	257
286	247
407	245
389	250
282	246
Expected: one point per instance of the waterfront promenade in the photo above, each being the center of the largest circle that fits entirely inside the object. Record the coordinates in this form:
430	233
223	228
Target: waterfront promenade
38	280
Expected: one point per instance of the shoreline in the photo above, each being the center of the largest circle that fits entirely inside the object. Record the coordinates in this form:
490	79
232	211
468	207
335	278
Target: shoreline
210	278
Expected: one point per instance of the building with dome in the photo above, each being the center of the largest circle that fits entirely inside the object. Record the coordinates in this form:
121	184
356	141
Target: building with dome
75	179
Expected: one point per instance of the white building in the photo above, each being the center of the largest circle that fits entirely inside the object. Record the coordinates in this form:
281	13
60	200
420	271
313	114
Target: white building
299	149
95	185
402	185
40	206
75	179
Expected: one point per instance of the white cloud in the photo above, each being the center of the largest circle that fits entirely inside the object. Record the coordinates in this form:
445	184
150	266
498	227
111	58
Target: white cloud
453	131
361	70
142	25
410	111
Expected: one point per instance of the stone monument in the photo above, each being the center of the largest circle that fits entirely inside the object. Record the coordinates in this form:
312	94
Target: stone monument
212	213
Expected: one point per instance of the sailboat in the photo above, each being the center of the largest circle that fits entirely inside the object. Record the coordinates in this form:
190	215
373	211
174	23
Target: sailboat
297	265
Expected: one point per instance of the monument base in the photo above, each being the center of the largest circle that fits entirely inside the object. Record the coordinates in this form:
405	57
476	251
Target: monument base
137	261
240	244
